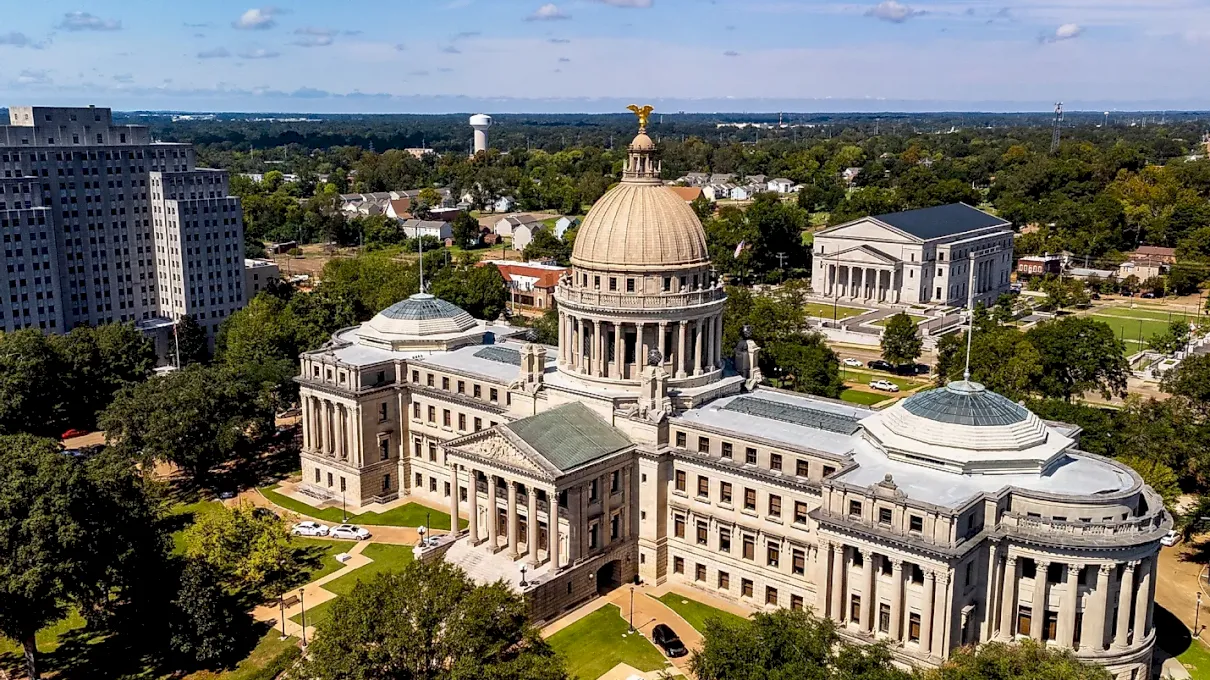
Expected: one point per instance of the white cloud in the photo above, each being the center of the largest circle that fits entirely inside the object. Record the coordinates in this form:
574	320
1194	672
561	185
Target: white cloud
214	53
548	12
314	37
34	77
123	78
730	53
16	39
259	53
83	21
893	11
1064	32
634	4
258	18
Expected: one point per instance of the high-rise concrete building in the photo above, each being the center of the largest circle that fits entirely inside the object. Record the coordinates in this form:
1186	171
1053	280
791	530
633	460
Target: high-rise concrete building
102	224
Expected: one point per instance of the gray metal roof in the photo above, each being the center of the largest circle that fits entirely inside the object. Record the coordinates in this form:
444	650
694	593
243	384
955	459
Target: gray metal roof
504	355
569	436
422	307
965	403
941	220
790	413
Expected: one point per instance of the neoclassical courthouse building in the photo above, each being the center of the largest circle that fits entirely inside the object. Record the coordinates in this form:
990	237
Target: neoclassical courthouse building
640	447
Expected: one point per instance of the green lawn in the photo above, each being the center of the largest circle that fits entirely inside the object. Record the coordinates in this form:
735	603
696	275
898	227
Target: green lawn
695	613
322	553
865	376
1134	333
387	557
410	515
595	644
916	318
270	650
823	311
1147	313
47	638
1173	637
186	514
864	398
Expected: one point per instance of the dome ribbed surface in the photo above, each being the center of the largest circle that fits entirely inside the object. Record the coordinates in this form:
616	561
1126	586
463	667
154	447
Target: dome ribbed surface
966	403
422	314
640	226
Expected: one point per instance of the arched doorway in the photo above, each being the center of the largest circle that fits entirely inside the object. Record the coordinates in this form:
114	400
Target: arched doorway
608	577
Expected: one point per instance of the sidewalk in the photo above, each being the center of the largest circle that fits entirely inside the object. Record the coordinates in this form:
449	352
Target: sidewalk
313	594
381	533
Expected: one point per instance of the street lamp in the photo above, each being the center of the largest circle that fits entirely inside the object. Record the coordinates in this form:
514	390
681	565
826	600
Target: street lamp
632	609
1197	613
523	583
422	531
303	602
281	605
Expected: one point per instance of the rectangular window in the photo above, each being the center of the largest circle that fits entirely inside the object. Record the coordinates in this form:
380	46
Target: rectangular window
884	617
774	506
445	417
801	468
445	384
724	581
680	439
680	480
750	455
384	449
678	565
699	572
462	422
800	512
913	627
478	392
772	555
796	603
854	607
854	508
745	587
771	595
613	283
432	414
478	424
749	547
915	524
416	410
775	461
703	445
678	526
884	516
493	395
724	539
1029	568
749	499
703	533
1024	620
1050	629
828	470
629	285
382	412
461	387
724	492
703	487
726	449
798	564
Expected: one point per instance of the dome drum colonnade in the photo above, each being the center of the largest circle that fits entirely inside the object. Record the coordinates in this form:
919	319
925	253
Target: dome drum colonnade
640	283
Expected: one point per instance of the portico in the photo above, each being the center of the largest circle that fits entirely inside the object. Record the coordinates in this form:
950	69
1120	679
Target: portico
878	282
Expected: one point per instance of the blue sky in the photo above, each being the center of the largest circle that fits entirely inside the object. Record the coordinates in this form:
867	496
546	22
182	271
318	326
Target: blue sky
592	55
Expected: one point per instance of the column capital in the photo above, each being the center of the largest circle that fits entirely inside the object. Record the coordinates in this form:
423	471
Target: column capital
1010	559
1132	564
930	575
1106	569
1041	564
1074	568
866	553
896	563
684	323
943	578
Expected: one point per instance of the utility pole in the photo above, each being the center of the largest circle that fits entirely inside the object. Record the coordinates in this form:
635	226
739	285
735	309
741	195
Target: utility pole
1058	124
781	260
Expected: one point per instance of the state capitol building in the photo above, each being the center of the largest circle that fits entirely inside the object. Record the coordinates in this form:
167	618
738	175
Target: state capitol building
640	447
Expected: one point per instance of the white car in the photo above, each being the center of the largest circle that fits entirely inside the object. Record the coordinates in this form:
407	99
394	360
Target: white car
1170	539
309	529
351	531
854	363
884	385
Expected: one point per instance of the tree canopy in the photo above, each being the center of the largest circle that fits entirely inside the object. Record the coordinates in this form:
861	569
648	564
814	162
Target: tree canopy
901	341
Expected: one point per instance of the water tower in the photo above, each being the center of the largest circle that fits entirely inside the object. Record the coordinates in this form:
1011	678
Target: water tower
481	122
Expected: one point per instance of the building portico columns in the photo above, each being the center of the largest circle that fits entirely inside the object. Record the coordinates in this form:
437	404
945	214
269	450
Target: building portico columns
512	519
896	600
680	352
836	583
531	524
697	346
552	528
1008	603
472	496
659	343
493	514
454	498
1092	636
1038	604
640	348
1067	612
619	351
868	600
1141	603
941	616
823	560
926	612
718	334
1125	593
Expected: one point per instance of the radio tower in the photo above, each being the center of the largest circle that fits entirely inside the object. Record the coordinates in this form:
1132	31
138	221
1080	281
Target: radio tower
1054	135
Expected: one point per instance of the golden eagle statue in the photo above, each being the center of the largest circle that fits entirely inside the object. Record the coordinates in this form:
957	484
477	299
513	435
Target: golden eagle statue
642	112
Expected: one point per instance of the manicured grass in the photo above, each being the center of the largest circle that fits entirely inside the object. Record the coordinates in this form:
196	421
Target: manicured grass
1148	313
864	398
47	638
324	551
409	515
695	613
1173	637
595	644
914	317
822	311
187	514
387	557
864	376
1134	333
266	652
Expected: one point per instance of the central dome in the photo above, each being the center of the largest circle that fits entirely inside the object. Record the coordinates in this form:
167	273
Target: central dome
419	322
640	226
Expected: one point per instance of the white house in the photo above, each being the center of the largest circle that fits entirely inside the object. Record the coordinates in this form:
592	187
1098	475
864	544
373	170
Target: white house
503	204
931	255
506	226
715	192
417	228
781	185
850	174
744	193
524	233
565	223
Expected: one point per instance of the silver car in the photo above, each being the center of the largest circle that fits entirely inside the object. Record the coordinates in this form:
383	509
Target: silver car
350	531
309	529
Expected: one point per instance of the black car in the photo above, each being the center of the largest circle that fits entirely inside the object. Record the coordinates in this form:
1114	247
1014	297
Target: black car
880	365
664	636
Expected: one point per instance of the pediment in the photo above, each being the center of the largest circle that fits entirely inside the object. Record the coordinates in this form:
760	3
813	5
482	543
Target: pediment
863	255
497	449
867	229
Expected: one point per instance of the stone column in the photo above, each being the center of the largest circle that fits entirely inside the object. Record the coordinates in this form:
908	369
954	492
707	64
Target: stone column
1140	602
659	343
867	595
926	612
563	344
1150	594
718	327
583	500
1008	600
697	348
577	342
531	523
1067	607
308	423
1038	604
493	525
836	583
472	497
512	519
680	353
327	420
941	618
823	559
552	530
896	600
454	497
356	446
624	512
1093	633
619	350
1125	592
640	348
601	359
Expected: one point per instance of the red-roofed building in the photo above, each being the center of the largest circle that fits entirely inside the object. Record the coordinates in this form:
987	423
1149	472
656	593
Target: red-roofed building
1154	255
530	284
